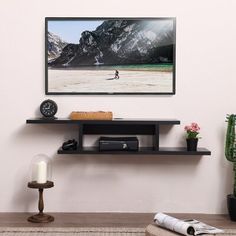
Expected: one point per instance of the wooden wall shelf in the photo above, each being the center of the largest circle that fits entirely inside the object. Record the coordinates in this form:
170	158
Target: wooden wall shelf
121	127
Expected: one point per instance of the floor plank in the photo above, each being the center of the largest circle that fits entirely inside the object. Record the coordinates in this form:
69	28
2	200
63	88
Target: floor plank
80	220
107	220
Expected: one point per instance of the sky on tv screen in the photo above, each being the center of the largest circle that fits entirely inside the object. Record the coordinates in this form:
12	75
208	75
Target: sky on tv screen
70	31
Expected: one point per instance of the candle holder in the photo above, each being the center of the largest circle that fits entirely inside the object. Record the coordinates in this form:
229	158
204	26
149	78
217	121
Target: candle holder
41	217
40	169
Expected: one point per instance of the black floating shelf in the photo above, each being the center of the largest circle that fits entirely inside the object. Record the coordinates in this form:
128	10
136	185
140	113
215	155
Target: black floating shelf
142	150
121	127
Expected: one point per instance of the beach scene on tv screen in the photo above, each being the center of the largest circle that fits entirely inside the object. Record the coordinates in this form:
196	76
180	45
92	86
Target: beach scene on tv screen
110	56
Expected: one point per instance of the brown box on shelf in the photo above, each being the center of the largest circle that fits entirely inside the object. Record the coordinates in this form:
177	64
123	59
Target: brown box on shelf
91	115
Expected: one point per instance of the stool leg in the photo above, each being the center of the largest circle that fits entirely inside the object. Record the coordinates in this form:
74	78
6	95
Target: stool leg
41	204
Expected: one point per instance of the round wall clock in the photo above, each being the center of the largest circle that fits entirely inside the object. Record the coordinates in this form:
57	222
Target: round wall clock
48	108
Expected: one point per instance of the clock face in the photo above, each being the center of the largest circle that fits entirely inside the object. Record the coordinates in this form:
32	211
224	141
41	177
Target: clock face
48	108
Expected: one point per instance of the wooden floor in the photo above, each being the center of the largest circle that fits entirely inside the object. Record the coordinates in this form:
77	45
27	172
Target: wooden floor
107	220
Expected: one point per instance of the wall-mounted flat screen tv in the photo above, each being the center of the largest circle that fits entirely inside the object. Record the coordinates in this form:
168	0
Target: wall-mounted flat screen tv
110	55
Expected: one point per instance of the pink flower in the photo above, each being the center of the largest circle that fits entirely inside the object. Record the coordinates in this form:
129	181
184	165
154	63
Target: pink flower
187	127
195	127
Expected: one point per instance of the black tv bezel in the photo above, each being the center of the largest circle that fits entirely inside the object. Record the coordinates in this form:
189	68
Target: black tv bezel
47	19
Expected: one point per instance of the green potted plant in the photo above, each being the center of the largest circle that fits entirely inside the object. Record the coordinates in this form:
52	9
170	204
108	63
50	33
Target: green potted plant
192	136
230	154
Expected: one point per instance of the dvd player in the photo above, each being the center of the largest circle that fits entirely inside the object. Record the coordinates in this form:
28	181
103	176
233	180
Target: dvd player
118	144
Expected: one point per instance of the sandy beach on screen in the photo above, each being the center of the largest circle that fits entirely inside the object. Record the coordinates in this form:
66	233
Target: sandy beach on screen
102	81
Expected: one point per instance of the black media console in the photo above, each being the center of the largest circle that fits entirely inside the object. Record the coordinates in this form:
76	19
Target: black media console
121	127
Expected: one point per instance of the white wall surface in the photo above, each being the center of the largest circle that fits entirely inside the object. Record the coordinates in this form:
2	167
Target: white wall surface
205	76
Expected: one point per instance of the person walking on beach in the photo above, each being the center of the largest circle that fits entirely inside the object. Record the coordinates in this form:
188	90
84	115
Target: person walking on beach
117	74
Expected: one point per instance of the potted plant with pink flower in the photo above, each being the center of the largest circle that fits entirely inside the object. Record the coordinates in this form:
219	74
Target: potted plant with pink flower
192	131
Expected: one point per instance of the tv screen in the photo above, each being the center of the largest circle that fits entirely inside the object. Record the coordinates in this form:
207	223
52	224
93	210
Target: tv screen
110	55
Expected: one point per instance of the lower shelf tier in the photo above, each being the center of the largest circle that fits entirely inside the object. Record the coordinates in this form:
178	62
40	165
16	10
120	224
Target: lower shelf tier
142	150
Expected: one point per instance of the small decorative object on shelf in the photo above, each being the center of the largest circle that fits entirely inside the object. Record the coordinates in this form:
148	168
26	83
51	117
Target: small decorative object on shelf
192	136
91	115
70	145
41	173
230	154
48	109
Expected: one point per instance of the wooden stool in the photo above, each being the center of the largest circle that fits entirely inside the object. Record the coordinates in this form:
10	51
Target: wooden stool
40	217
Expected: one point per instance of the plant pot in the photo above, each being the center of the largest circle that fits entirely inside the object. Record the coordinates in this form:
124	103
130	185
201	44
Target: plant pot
231	204
192	144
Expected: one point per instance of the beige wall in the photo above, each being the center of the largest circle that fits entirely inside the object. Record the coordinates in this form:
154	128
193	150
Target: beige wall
206	49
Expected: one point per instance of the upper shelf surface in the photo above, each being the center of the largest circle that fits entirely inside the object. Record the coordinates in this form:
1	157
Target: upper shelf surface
114	121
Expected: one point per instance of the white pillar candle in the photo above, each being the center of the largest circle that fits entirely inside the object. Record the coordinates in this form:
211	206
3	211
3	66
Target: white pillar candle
41	172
